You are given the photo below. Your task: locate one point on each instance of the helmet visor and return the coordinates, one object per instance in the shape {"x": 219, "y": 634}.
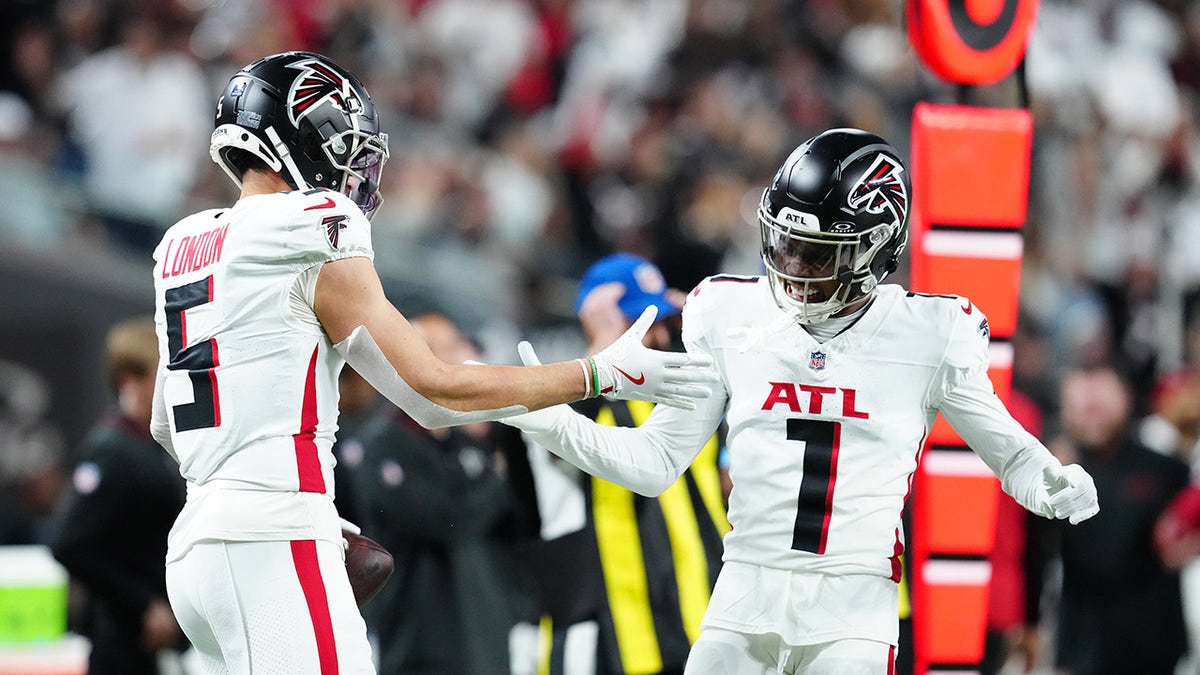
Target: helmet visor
{"x": 798, "y": 257}
{"x": 362, "y": 181}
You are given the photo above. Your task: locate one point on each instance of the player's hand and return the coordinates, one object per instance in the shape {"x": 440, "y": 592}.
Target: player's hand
{"x": 629, "y": 370}
{"x": 1071, "y": 492}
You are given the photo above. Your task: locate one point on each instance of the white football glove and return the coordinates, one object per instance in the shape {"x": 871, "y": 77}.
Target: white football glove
{"x": 350, "y": 527}
{"x": 1071, "y": 492}
{"x": 629, "y": 370}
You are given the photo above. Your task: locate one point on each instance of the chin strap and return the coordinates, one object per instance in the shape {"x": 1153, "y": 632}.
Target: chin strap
{"x": 285, "y": 156}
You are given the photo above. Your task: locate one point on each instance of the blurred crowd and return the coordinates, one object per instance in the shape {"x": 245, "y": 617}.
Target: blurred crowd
{"x": 531, "y": 137}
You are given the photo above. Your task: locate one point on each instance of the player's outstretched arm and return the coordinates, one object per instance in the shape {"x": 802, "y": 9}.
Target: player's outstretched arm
{"x": 1027, "y": 470}
{"x": 646, "y": 459}
{"x": 381, "y": 345}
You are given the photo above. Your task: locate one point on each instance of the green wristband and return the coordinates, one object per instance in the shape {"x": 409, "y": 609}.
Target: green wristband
{"x": 595, "y": 378}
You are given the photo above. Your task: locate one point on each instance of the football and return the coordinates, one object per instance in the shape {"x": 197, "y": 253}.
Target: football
{"x": 368, "y": 565}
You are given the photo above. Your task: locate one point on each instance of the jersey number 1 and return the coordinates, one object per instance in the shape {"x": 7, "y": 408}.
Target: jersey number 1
{"x": 814, "y": 505}
{"x": 200, "y": 360}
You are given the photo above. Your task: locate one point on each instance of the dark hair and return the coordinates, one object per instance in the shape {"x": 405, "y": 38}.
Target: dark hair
{"x": 243, "y": 161}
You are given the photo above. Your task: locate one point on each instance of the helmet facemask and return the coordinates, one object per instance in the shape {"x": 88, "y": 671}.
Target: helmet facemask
{"x": 362, "y": 167}
{"x": 813, "y": 274}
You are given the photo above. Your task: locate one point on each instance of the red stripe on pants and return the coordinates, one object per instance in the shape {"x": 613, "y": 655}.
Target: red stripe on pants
{"x": 308, "y": 571}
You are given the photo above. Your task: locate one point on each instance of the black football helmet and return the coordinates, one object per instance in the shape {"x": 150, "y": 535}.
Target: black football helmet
{"x": 307, "y": 118}
{"x": 837, "y": 211}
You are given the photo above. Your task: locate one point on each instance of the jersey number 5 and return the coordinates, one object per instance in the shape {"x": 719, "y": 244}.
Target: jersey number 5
{"x": 199, "y": 360}
{"x": 814, "y": 505}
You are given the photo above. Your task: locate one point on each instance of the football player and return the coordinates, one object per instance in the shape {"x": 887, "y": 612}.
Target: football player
{"x": 830, "y": 383}
{"x": 258, "y": 306}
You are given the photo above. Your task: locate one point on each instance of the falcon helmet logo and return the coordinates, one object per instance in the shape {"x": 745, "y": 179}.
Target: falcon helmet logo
{"x": 881, "y": 188}
{"x": 333, "y": 229}
{"x": 317, "y": 84}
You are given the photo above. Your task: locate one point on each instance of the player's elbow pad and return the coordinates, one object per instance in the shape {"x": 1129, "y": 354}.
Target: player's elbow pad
{"x": 652, "y": 486}
{"x": 364, "y": 355}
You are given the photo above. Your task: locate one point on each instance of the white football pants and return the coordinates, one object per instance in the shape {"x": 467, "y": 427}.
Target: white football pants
{"x": 269, "y": 608}
{"x": 724, "y": 652}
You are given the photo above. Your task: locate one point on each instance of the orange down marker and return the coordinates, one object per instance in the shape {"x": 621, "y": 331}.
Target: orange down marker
{"x": 970, "y": 173}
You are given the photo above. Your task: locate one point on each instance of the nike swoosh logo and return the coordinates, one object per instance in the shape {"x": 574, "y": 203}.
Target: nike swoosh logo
{"x": 327, "y": 205}
{"x": 639, "y": 380}
{"x": 968, "y": 309}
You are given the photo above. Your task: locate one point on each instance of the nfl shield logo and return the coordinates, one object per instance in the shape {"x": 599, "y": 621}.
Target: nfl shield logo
{"x": 816, "y": 360}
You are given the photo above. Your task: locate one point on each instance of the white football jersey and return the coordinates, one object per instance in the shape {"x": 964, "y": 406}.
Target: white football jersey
{"x": 251, "y": 378}
{"x": 824, "y": 438}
